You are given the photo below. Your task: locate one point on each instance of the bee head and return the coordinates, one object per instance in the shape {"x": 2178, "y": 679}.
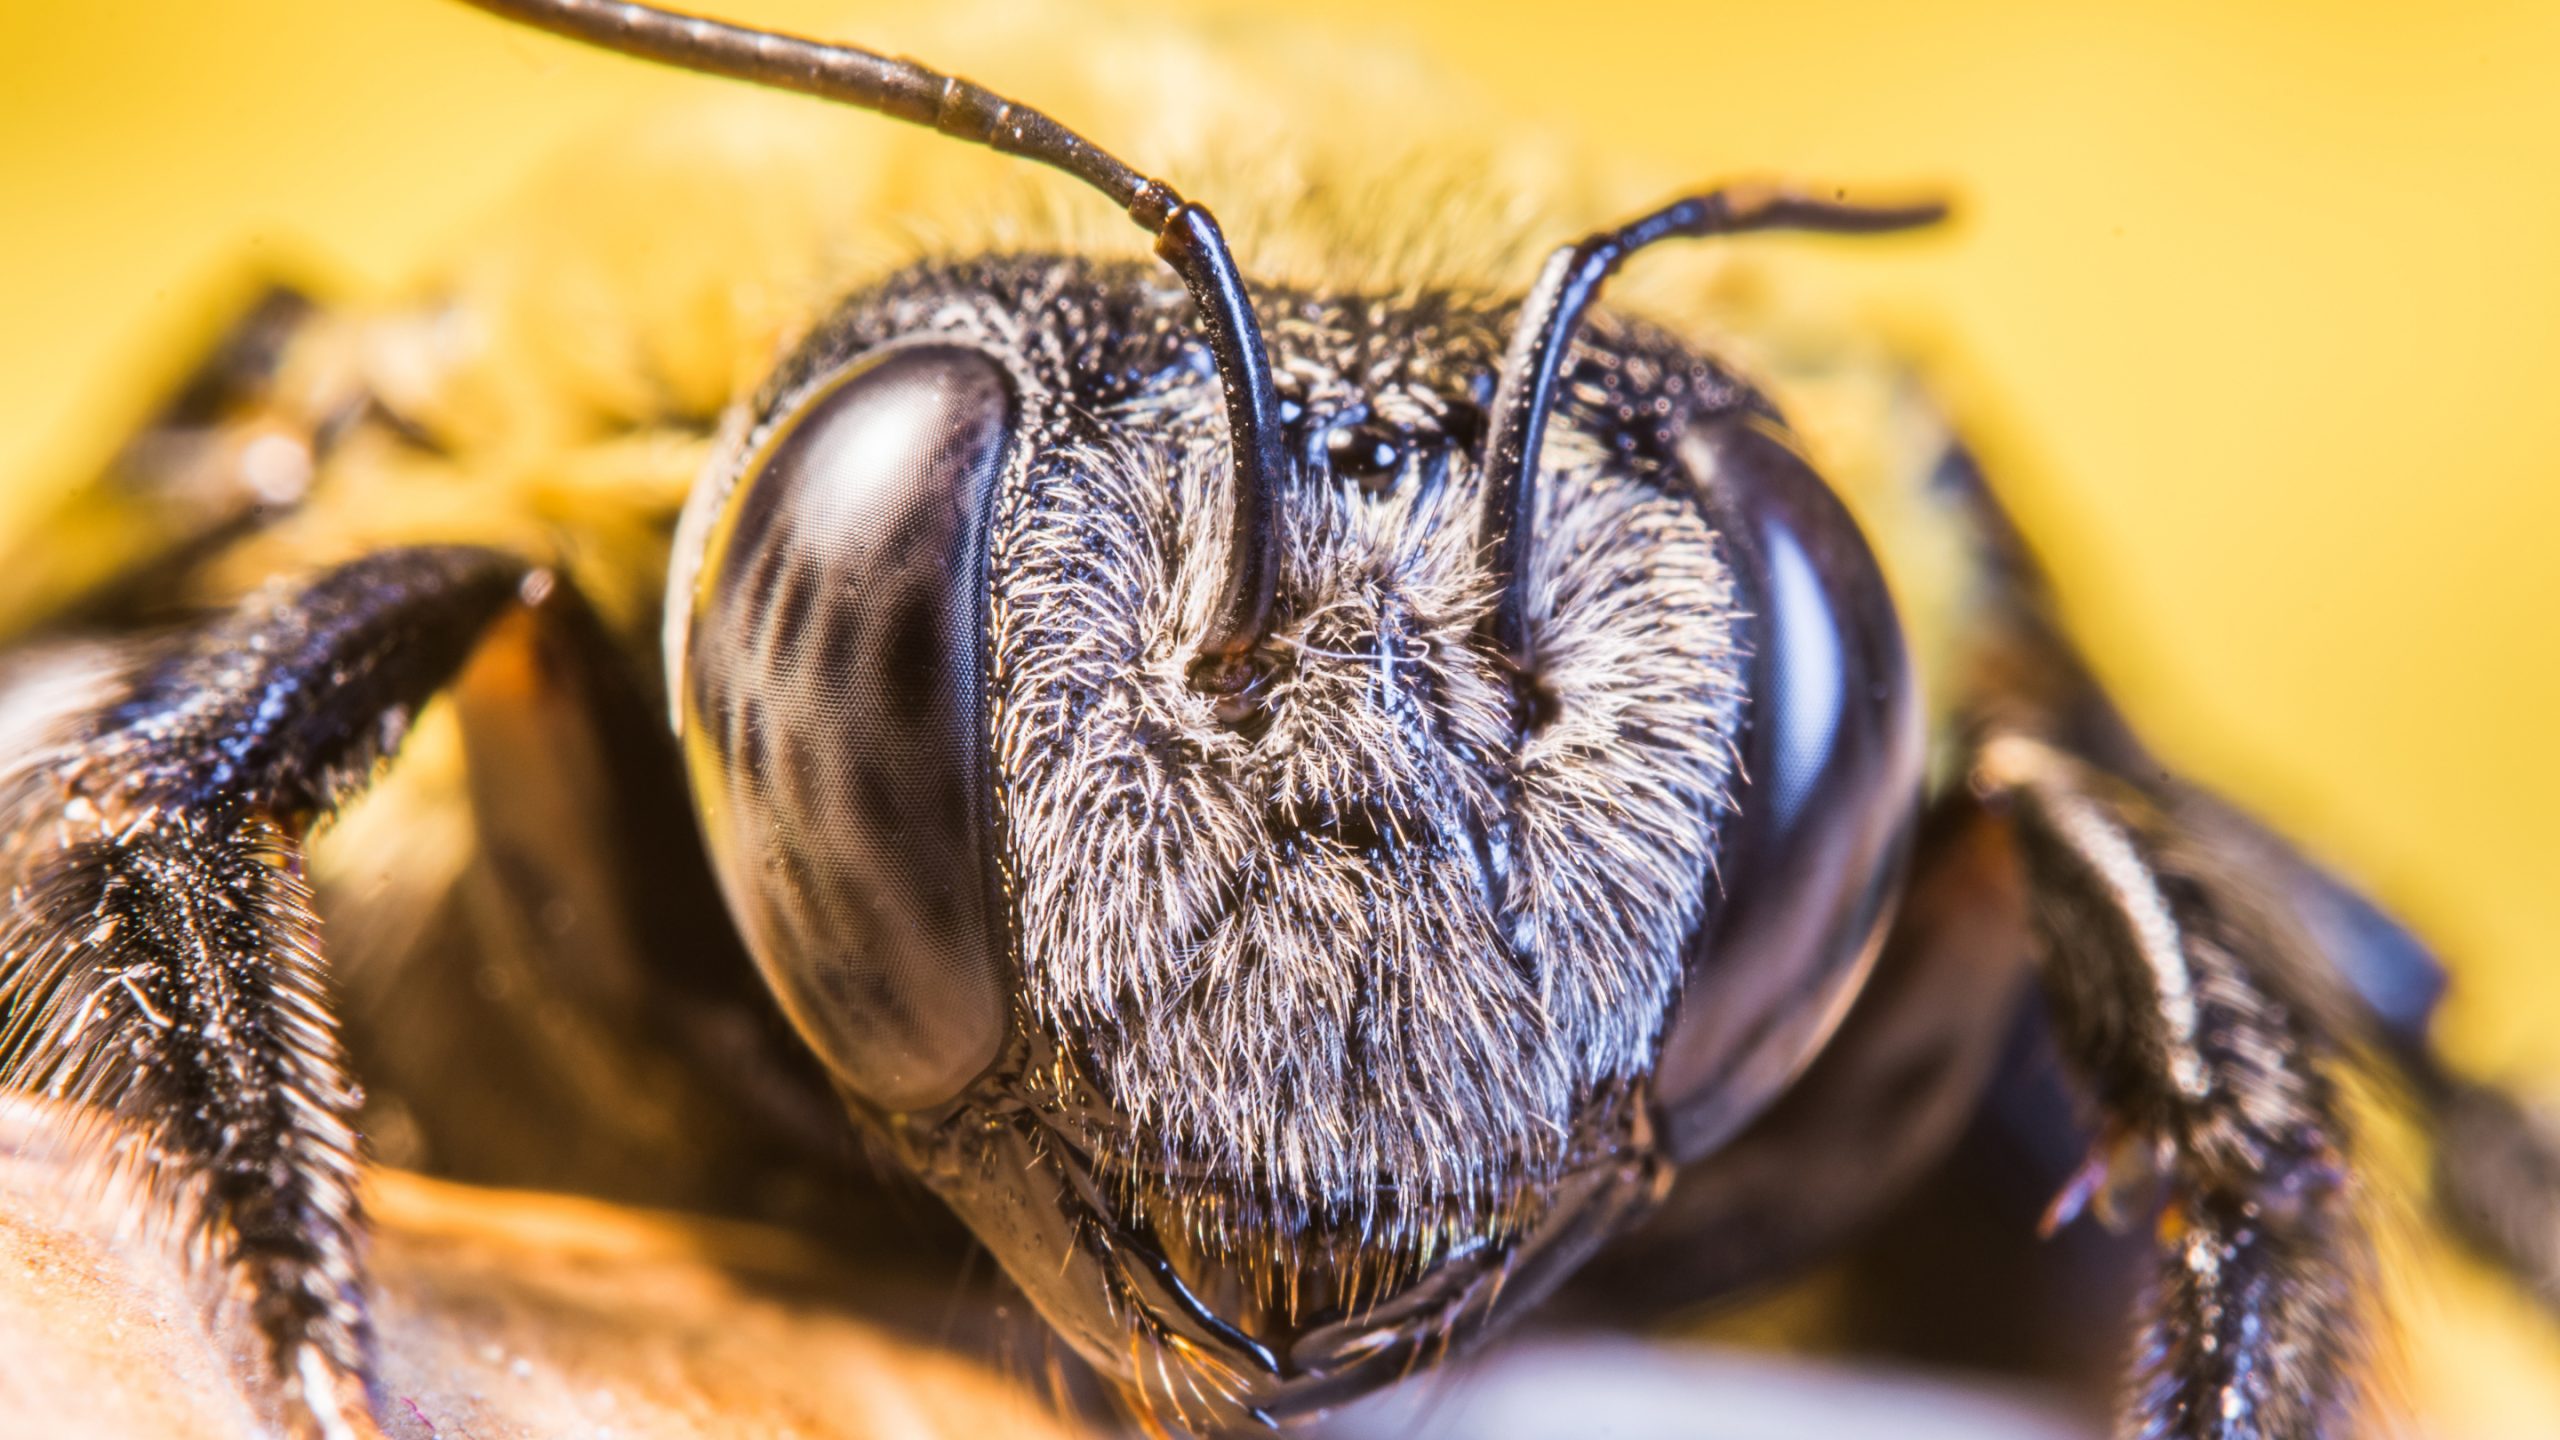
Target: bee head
{"x": 1304, "y": 1020}
{"x": 1292, "y": 916}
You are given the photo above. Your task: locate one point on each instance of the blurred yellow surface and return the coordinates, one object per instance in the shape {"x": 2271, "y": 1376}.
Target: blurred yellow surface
{"x": 2259, "y": 310}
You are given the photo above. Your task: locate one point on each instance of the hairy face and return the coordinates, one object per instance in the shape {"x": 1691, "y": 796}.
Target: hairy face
{"x": 1365, "y": 959}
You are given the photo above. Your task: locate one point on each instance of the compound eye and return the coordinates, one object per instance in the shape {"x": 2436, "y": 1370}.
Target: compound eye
{"x": 1813, "y": 853}
{"x": 834, "y": 714}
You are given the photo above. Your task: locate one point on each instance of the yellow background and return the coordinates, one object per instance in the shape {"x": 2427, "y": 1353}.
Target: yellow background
{"x": 2263, "y": 309}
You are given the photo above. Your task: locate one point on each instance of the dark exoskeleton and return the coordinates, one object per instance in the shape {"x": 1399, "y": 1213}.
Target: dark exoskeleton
{"x": 1302, "y": 817}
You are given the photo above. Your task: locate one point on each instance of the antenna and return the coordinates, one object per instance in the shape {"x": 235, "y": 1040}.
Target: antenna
{"x": 1187, "y": 239}
{"x": 1551, "y": 316}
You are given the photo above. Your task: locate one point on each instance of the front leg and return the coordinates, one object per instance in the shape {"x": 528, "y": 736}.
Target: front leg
{"x": 160, "y": 960}
{"x": 2181, "y": 1002}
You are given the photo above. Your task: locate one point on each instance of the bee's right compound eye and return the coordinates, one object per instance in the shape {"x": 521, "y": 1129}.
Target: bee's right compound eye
{"x": 834, "y": 713}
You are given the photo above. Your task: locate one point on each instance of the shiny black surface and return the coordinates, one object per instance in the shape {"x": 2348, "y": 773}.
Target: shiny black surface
{"x": 836, "y": 719}
{"x": 1191, "y": 244}
{"x": 1831, "y": 765}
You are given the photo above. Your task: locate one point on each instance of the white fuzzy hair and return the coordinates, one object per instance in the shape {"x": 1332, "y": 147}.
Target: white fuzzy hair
{"x": 1402, "y": 1035}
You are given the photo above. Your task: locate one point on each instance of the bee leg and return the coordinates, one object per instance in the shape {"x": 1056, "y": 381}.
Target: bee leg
{"x": 160, "y": 960}
{"x": 2196, "y": 993}
{"x": 2497, "y": 1173}
{"x": 2496, "y": 1159}
{"x": 2497, "y": 1163}
{"x": 2175, "y": 996}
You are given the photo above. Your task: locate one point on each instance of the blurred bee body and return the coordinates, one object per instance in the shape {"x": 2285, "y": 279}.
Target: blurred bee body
{"x": 1278, "y": 1012}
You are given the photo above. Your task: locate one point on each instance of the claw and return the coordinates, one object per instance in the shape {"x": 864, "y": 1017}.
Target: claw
{"x": 2120, "y": 1163}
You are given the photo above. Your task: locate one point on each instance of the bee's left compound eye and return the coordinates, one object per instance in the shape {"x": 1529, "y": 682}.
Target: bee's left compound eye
{"x": 835, "y": 724}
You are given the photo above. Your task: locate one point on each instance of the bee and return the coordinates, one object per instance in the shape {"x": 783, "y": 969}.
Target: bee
{"x": 1301, "y": 788}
